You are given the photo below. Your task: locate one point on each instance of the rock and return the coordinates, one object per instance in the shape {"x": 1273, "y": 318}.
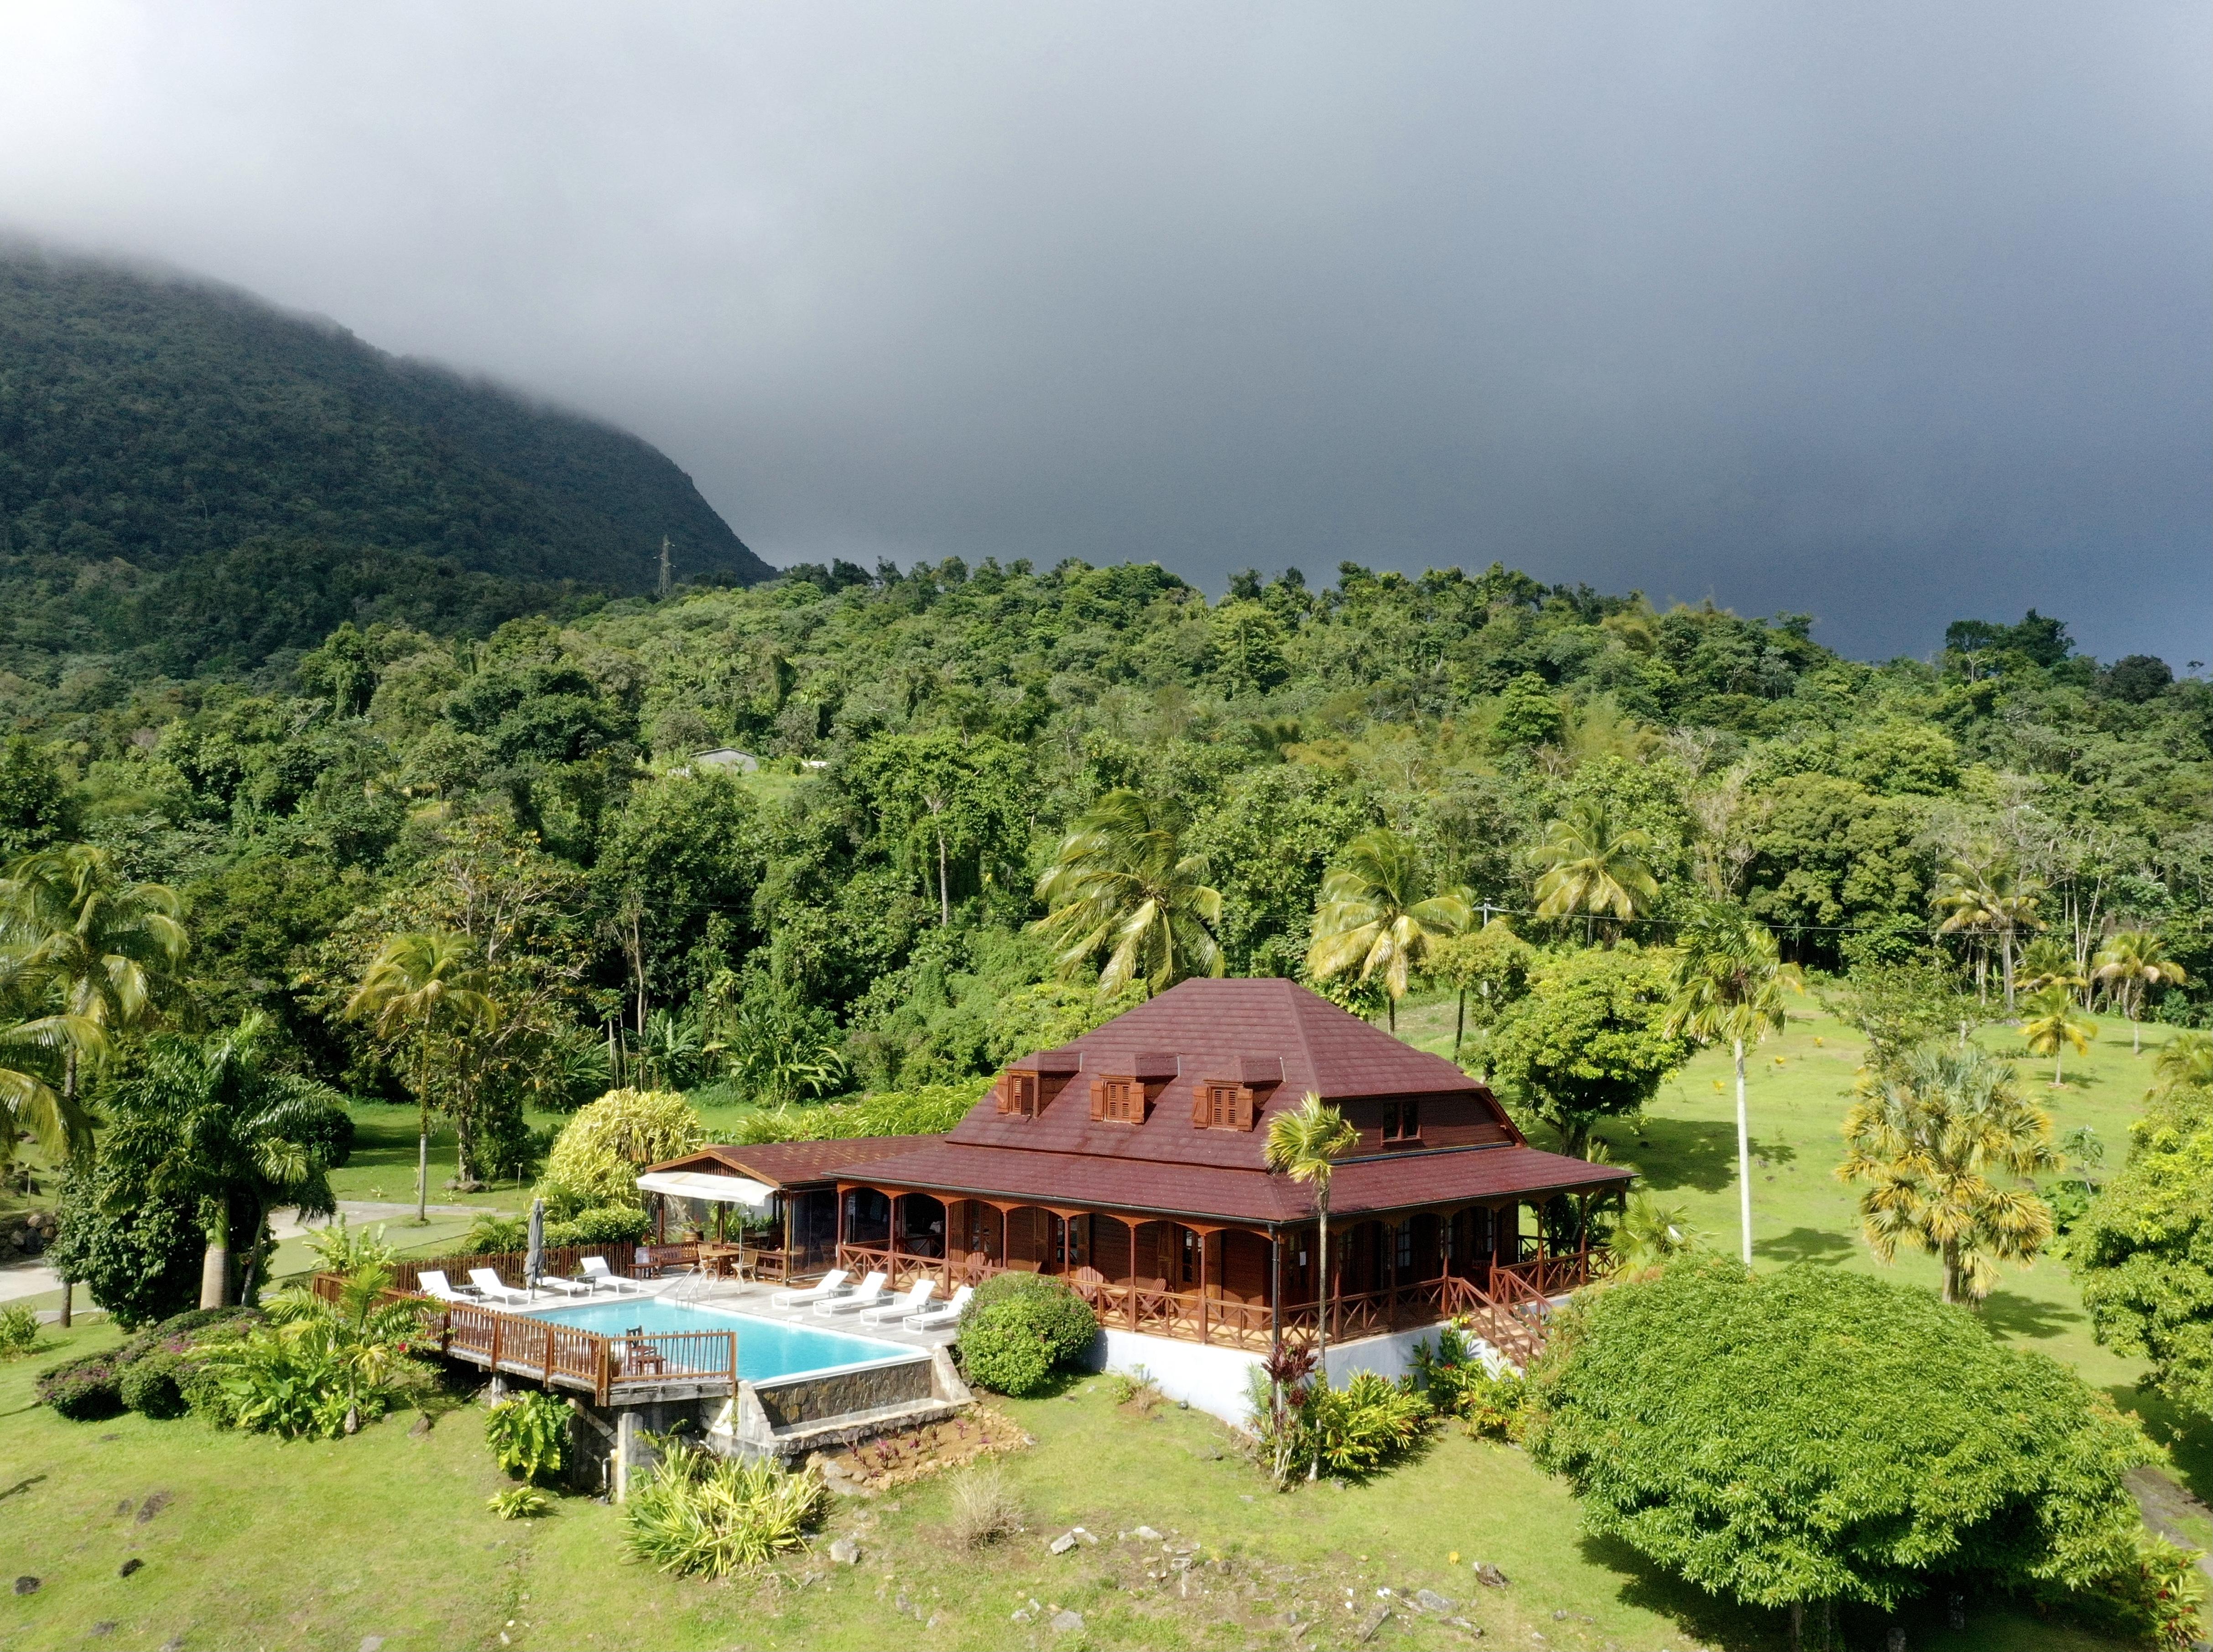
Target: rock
{"x": 1895, "y": 1641}
{"x": 26, "y": 1585}
{"x": 1489, "y": 1576}
{"x": 1377, "y": 1618}
{"x": 844, "y": 1551}
{"x": 1063, "y": 1543}
{"x": 1431, "y": 1600}
{"x": 129, "y": 1566}
{"x": 153, "y": 1506}
{"x": 421, "y": 1426}
{"x": 372, "y": 1643}
{"x": 1462, "y": 1623}
{"x": 1082, "y": 1536}
{"x": 1147, "y": 1534}
{"x": 1066, "y": 1623}
{"x": 174, "y": 1643}
{"x": 105, "y": 1626}
{"x": 1559, "y": 1616}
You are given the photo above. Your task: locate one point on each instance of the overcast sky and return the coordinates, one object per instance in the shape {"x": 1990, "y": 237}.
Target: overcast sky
{"x": 1891, "y": 314}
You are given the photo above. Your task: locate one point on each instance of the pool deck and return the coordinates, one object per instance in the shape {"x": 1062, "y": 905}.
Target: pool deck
{"x": 733, "y": 1296}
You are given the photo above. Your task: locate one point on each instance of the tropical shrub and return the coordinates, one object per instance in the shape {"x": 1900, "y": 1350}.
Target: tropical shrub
{"x": 1776, "y": 1438}
{"x": 1368, "y": 1424}
{"x": 985, "y": 1508}
{"x": 1447, "y": 1373}
{"x": 930, "y": 1111}
{"x": 607, "y": 1224}
{"x": 700, "y": 1514}
{"x": 596, "y": 1157}
{"x": 494, "y": 1234}
{"x": 318, "y": 1368}
{"x": 148, "y": 1385}
{"x": 519, "y": 1502}
{"x": 528, "y": 1433}
{"x": 83, "y": 1390}
{"x": 1018, "y": 1327}
{"x": 19, "y": 1330}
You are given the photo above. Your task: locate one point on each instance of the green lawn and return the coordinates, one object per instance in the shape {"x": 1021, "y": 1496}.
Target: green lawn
{"x": 251, "y": 1543}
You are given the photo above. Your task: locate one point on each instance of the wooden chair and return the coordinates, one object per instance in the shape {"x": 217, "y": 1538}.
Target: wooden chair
{"x": 639, "y": 1357}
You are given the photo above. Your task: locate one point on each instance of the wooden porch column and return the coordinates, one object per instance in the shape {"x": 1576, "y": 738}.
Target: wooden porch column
{"x": 1275, "y": 1293}
{"x": 892, "y": 1240}
{"x": 1204, "y": 1335}
{"x": 1390, "y": 1274}
{"x": 1131, "y": 1300}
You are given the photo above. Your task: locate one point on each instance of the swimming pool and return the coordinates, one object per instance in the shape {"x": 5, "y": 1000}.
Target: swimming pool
{"x": 766, "y": 1348}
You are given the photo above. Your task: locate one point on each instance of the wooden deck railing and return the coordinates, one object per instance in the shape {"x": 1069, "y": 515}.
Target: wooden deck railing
{"x": 1508, "y": 1307}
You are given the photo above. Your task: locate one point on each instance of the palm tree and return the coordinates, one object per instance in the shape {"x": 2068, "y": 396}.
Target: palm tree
{"x": 110, "y": 946}
{"x": 1303, "y": 1145}
{"x": 362, "y": 1336}
{"x": 1936, "y": 1144}
{"x": 1729, "y": 986}
{"x": 2050, "y": 962}
{"x": 419, "y": 985}
{"x": 1980, "y": 895}
{"x": 2130, "y": 964}
{"x": 1121, "y": 881}
{"x": 2053, "y": 1025}
{"x": 1371, "y": 914}
{"x": 221, "y": 1124}
{"x": 1591, "y": 866}
{"x": 2186, "y": 1063}
{"x": 31, "y": 1046}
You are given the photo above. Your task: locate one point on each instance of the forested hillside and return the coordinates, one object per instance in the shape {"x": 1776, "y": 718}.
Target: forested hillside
{"x": 854, "y": 915}
{"x": 188, "y": 476}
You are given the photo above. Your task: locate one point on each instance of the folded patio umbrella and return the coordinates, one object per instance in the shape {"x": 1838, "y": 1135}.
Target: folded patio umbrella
{"x": 533, "y": 1262}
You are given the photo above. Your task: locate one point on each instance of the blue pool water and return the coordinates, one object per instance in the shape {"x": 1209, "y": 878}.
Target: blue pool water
{"x": 766, "y": 1348}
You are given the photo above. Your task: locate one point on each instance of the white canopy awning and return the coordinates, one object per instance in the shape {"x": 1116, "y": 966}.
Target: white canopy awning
{"x": 707, "y": 1185}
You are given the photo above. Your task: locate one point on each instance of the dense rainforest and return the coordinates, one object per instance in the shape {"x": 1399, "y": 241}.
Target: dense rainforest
{"x": 849, "y": 905}
{"x": 190, "y": 477}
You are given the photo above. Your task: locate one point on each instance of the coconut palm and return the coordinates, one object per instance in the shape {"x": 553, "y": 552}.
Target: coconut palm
{"x": 1372, "y": 914}
{"x": 1728, "y": 985}
{"x": 109, "y": 946}
{"x": 2050, "y": 962}
{"x": 2054, "y": 1023}
{"x": 220, "y": 1123}
{"x": 2186, "y": 1063}
{"x": 1120, "y": 881}
{"x": 34, "y": 1051}
{"x": 1303, "y": 1145}
{"x": 1591, "y": 865}
{"x": 417, "y": 987}
{"x": 1946, "y": 1146}
{"x": 1980, "y": 896}
{"x": 2130, "y": 964}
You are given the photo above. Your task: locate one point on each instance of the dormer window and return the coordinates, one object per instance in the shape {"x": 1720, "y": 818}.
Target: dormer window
{"x": 1117, "y": 1101}
{"x": 1402, "y": 1123}
{"x": 1019, "y": 1095}
{"x": 1219, "y": 1105}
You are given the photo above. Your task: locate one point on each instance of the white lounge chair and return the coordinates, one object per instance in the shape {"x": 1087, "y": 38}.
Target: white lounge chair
{"x": 943, "y": 1314}
{"x": 891, "y": 1313}
{"x": 871, "y": 1295}
{"x": 566, "y": 1287}
{"x": 489, "y": 1283}
{"x": 432, "y": 1282}
{"x": 598, "y": 1275}
{"x": 831, "y": 1284}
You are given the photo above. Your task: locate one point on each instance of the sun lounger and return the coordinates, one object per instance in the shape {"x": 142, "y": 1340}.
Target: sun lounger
{"x": 489, "y": 1283}
{"x": 831, "y": 1284}
{"x": 871, "y": 1295}
{"x": 898, "y": 1309}
{"x": 566, "y": 1287}
{"x": 598, "y": 1275}
{"x": 945, "y": 1314}
{"x": 432, "y": 1282}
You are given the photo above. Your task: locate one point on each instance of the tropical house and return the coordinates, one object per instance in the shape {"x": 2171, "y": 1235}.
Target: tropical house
{"x": 1132, "y": 1163}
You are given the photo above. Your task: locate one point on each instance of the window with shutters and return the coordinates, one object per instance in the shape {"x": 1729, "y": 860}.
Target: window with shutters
{"x": 1402, "y": 1121}
{"x": 1018, "y": 1093}
{"x": 1217, "y": 1106}
{"x": 1117, "y": 1101}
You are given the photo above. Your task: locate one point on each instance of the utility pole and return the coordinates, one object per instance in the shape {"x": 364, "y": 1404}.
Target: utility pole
{"x": 664, "y": 565}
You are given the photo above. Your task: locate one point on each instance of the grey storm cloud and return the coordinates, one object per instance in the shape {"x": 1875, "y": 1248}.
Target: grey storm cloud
{"x": 1891, "y": 314}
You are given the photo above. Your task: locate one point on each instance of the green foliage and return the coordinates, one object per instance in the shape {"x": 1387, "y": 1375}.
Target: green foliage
{"x": 528, "y": 1433}
{"x": 134, "y": 1244}
{"x": 83, "y": 1390}
{"x": 605, "y": 1225}
{"x": 2143, "y": 1250}
{"x": 699, "y": 1515}
{"x": 1018, "y": 1327}
{"x": 596, "y": 1157}
{"x": 149, "y": 1385}
{"x": 519, "y": 1502}
{"x": 1527, "y": 713}
{"x": 318, "y": 1369}
{"x": 19, "y": 1330}
{"x": 1590, "y": 1041}
{"x": 1816, "y": 1435}
{"x": 1366, "y": 1426}
{"x": 930, "y": 1111}
{"x": 38, "y": 808}
{"x": 494, "y": 1234}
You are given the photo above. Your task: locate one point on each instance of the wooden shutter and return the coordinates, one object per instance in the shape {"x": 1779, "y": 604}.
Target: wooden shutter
{"x": 1241, "y": 1116}
{"x": 1202, "y": 1106}
{"x": 1004, "y": 1091}
{"x": 1098, "y": 1098}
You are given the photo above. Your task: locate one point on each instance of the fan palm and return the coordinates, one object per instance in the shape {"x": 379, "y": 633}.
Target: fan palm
{"x": 1728, "y": 985}
{"x": 1592, "y": 866}
{"x": 2130, "y": 964}
{"x": 2054, "y": 1023}
{"x": 1371, "y": 914}
{"x": 1304, "y": 1144}
{"x": 1937, "y": 1145}
{"x": 1121, "y": 881}
{"x": 418, "y": 987}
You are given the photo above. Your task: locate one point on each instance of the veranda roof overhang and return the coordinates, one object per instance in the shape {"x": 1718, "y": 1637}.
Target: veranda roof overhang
{"x": 705, "y": 1185}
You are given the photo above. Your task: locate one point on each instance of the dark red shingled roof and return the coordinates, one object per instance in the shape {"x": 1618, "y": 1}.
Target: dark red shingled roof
{"x": 1360, "y": 1185}
{"x": 1273, "y": 1034}
{"x": 791, "y": 1164}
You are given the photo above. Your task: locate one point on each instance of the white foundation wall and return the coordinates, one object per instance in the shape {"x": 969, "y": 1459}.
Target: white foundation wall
{"x": 1212, "y": 1380}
